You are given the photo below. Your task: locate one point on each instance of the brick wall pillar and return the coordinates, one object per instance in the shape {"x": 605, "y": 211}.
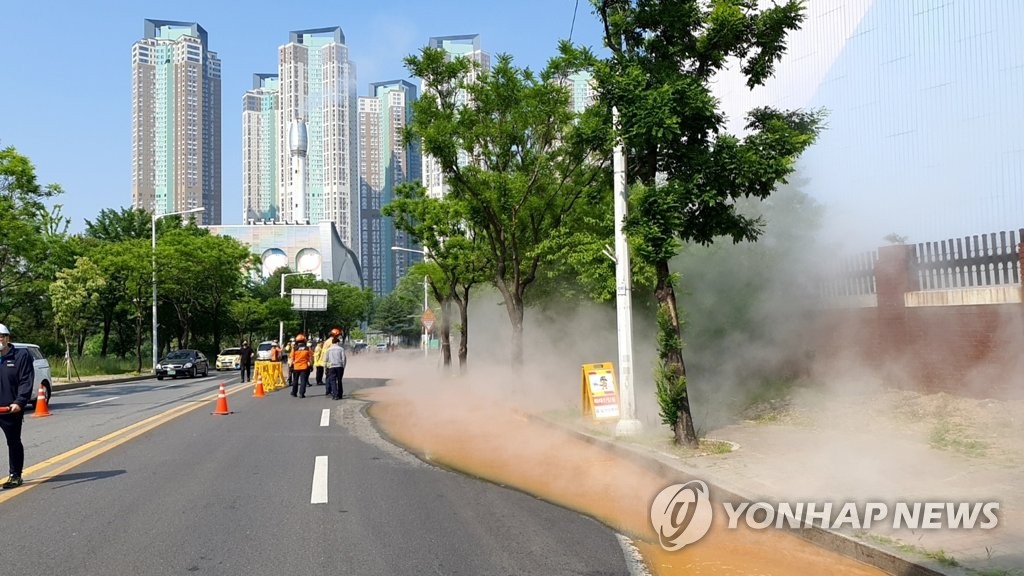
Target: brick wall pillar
{"x": 894, "y": 278}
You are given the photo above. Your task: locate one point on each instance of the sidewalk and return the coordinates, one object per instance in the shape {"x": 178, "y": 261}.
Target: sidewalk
{"x": 895, "y": 446}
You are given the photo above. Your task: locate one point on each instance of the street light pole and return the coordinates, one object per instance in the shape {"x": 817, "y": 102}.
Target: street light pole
{"x": 628, "y": 423}
{"x": 424, "y": 339}
{"x": 280, "y": 328}
{"x": 155, "y": 217}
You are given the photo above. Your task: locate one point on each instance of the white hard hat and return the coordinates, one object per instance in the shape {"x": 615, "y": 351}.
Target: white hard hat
{"x": 4, "y": 330}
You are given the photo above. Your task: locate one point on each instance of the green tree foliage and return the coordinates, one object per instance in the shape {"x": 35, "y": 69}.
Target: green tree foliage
{"x": 515, "y": 154}
{"x": 689, "y": 171}
{"x": 126, "y": 224}
{"x": 74, "y": 296}
{"x": 31, "y": 240}
{"x": 457, "y": 261}
{"x": 394, "y": 315}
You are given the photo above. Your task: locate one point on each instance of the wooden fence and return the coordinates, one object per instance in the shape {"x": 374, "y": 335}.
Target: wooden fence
{"x": 968, "y": 262}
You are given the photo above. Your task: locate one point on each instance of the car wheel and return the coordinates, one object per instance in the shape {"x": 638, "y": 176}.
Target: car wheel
{"x": 193, "y": 372}
{"x": 159, "y": 377}
{"x": 46, "y": 386}
{"x": 206, "y": 372}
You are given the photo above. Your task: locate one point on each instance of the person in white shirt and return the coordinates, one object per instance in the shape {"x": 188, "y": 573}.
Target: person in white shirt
{"x": 335, "y": 368}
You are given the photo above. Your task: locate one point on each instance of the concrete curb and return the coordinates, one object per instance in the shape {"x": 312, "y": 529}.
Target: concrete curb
{"x": 87, "y": 383}
{"x": 827, "y": 539}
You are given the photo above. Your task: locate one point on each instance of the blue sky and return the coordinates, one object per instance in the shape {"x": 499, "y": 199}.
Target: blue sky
{"x": 66, "y": 99}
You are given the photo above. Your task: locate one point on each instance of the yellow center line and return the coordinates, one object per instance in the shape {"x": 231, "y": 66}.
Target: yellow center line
{"x": 99, "y": 446}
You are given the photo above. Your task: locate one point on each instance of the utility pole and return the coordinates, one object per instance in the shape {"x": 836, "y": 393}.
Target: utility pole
{"x": 628, "y": 423}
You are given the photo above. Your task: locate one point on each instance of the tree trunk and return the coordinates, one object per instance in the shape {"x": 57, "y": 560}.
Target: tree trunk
{"x": 138, "y": 339}
{"x": 446, "y": 332}
{"x": 107, "y": 320}
{"x": 463, "y": 329}
{"x": 515, "y": 314}
{"x": 216, "y": 327}
{"x": 672, "y": 356}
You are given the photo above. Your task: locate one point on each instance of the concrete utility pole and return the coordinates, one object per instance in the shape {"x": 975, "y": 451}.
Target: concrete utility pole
{"x": 156, "y": 347}
{"x": 628, "y": 423}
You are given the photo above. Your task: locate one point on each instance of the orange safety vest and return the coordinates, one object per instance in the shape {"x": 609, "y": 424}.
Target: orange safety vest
{"x": 301, "y": 359}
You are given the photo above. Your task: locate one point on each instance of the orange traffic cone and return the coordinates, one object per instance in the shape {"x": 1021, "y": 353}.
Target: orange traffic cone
{"x": 258, "y": 392}
{"x": 42, "y": 408}
{"x": 222, "y": 402}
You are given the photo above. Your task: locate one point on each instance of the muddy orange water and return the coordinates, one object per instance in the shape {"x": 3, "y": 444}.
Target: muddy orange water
{"x": 453, "y": 427}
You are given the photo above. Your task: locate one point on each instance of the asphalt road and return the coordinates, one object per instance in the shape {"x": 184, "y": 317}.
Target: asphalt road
{"x": 140, "y": 478}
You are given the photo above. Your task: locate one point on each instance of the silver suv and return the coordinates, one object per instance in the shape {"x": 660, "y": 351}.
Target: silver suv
{"x": 42, "y": 368}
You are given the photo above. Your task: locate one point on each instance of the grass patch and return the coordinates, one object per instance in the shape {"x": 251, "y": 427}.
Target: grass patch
{"x": 946, "y": 435}
{"x": 939, "y": 556}
{"x": 94, "y": 366}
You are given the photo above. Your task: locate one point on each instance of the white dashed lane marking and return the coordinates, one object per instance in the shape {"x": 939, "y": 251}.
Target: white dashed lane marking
{"x": 325, "y": 417}
{"x": 319, "y": 493}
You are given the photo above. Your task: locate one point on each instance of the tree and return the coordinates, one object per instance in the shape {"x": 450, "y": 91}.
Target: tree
{"x": 113, "y": 226}
{"x": 30, "y": 235}
{"x": 516, "y": 154}
{"x": 456, "y": 262}
{"x": 689, "y": 171}
{"x": 74, "y": 297}
{"x": 394, "y": 315}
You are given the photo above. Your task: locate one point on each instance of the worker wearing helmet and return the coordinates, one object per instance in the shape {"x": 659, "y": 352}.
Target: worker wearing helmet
{"x": 302, "y": 363}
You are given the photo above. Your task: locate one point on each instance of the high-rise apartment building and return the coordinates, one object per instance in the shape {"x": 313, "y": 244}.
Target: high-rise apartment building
{"x": 317, "y": 84}
{"x": 260, "y": 198}
{"x": 465, "y": 46}
{"x": 384, "y": 163}
{"x": 176, "y": 156}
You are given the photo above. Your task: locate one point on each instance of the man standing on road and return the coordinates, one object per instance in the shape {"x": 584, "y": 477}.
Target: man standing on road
{"x": 302, "y": 362}
{"x": 335, "y": 368}
{"x": 319, "y": 355}
{"x": 245, "y": 360}
{"x": 17, "y": 376}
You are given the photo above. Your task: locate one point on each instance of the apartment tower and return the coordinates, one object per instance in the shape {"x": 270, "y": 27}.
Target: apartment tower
{"x": 176, "y": 157}
{"x": 317, "y": 84}
{"x": 465, "y": 46}
{"x": 259, "y": 149}
{"x": 384, "y": 163}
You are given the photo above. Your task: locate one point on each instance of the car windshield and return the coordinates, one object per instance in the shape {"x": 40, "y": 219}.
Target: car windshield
{"x": 265, "y": 346}
{"x": 231, "y": 352}
{"x": 179, "y": 355}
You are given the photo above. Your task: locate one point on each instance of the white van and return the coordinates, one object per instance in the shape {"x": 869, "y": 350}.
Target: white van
{"x": 42, "y": 368}
{"x": 263, "y": 350}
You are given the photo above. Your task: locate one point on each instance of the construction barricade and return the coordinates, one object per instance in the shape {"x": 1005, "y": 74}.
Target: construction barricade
{"x": 270, "y": 373}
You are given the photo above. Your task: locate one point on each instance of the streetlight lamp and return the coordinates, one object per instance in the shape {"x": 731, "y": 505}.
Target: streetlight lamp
{"x": 280, "y": 329}
{"x": 423, "y": 339}
{"x": 156, "y": 347}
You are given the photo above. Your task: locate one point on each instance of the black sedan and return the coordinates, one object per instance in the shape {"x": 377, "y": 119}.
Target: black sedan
{"x": 189, "y": 363}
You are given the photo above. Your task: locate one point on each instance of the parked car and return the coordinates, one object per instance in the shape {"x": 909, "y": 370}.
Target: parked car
{"x": 229, "y": 359}
{"x": 189, "y": 363}
{"x": 263, "y": 350}
{"x": 42, "y": 369}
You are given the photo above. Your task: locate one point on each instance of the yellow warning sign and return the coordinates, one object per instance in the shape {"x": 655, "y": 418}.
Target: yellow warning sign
{"x": 600, "y": 392}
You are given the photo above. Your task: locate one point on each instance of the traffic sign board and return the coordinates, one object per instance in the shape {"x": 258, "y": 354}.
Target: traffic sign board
{"x": 428, "y": 324}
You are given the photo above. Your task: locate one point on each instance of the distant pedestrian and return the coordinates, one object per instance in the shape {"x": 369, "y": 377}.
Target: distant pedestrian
{"x": 17, "y": 377}
{"x": 245, "y": 361}
{"x": 319, "y": 353}
{"x": 336, "y": 361}
{"x": 301, "y": 364}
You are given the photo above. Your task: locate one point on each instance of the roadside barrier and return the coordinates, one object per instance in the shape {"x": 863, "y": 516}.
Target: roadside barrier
{"x": 42, "y": 408}
{"x": 271, "y": 374}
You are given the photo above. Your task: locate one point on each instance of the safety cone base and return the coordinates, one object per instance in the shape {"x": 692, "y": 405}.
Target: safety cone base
{"x": 258, "y": 391}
